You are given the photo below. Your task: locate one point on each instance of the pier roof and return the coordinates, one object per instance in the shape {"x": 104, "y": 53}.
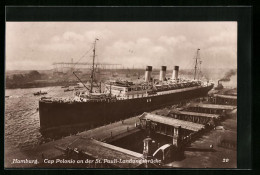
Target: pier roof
{"x": 172, "y": 122}
{"x": 212, "y": 106}
{"x": 195, "y": 114}
{"x": 226, "y": 96}
{"x": 102, "y": 151}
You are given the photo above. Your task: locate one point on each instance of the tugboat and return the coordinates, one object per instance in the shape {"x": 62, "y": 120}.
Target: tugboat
{"x": 120, "y": 99}
{"x": 219, "y": 86}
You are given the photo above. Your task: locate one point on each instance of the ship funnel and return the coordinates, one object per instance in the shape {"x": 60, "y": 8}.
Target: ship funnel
{"x": 162, "y": 73}
{"x": 175, "y": 73}
{"x": 148, "y": 73}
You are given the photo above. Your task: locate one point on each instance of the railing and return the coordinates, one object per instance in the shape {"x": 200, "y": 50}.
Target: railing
{"x": 120, "y": 98}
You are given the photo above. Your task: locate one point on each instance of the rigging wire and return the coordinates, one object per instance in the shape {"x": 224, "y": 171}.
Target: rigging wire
{"x": 64, "y": 79}
{"x": 68, "y": 76}
{"x": 188, "y": 66}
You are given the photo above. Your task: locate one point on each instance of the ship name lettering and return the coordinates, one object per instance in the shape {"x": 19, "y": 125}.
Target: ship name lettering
{"x": 48, "y": 161}
{"x": 65, "y": 161}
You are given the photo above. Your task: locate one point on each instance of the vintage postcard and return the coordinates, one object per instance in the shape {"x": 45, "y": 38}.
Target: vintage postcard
{"x": 121, "y": 94}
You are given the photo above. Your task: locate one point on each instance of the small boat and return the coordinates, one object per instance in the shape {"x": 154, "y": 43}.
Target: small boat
{"x": 66, "y": 90}
{"x": 39, "y": 93}
{"x": 115, "y": 74}
{"x": 45, "y": 98}
{"x": 64, "y": 86}
{"x": 78, "y": 87}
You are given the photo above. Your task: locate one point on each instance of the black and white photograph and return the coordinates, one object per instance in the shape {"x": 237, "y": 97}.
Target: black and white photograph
{"x": 121, "y": 94}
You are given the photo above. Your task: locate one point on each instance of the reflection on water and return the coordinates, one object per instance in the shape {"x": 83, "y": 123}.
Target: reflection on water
{"x": 22, "y": 122}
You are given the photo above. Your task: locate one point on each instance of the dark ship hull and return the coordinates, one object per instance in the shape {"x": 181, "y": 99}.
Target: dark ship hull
{"x": 89, "y": 114}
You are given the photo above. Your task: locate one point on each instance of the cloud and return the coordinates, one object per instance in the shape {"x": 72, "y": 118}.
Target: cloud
{"x": 70, "y": 40}
{"x": 55, "y": 39}
{"x": 139, "y": 52}
{"x": 223, "y": 38}
{"x": 223, "y": 55}
{"x": 59, "y": 47}
{"x": 158, "y": 50}
{"x": 172, "y": 40}
{"x": 104, "y": 34}
{"x": 143, "y": 41}
{"x": 164, "y": 43}
{"x": 68, "y": 36}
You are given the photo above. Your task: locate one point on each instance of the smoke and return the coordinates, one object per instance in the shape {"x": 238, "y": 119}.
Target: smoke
{"x": 228, "y": 75}
{"x": 230, "y": 79}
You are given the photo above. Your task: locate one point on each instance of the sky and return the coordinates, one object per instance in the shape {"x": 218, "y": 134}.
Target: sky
{"x": 36, "y": 45}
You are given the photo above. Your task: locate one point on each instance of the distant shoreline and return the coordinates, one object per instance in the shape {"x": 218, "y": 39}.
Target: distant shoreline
{"x": 39, "y": 85}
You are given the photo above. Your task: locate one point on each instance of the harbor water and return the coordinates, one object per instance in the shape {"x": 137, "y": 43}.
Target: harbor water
{"x": 22, "y": 124}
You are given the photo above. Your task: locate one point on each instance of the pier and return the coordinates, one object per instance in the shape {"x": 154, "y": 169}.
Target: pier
{"x": 51, "y": 149}
{"x": 181, "y": 131}
{"x": 224, "y": 99}
{"x": 159, "y": 136}
{"x": 210, "y": 108}
{"x": 195, "y": 117}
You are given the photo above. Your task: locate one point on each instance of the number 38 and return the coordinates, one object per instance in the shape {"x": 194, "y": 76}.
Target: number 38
{"x": 225, "y": 160}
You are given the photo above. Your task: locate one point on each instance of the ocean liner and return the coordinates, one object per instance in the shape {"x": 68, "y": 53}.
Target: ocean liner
{"x": 119, "y": 100}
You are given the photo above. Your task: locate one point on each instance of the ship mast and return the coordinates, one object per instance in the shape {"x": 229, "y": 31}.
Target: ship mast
{"x": 196, "y": 63}
{"x": 93, "y": 65}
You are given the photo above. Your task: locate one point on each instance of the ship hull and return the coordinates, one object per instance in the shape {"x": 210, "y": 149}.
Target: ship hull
{"x": 59, "y": 114}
